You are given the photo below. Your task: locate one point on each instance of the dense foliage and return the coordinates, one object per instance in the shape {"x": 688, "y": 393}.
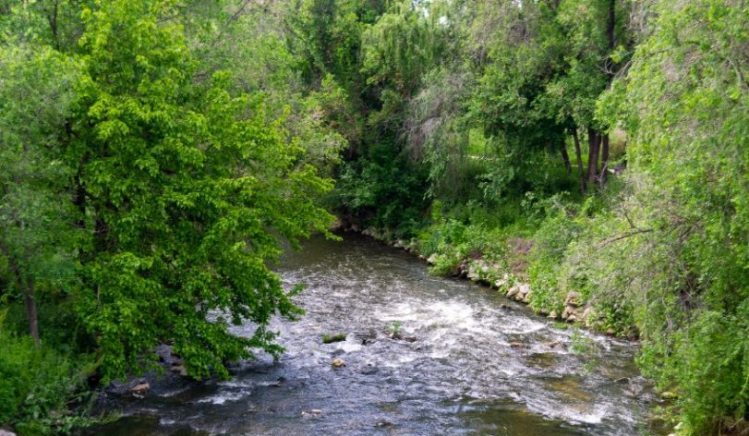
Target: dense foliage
{"x": 153, "y": 153}
{"x": 145, "y": 192}
{"x": 594, "y": 148}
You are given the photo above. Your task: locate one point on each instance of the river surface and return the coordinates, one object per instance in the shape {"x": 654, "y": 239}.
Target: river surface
{"x": 423, "y": 356}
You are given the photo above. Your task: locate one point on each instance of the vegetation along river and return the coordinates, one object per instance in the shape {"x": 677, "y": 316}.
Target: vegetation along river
{"x": 423, "y": 355}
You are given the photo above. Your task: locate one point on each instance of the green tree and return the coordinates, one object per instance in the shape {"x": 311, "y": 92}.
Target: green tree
{"x": 184, "y": 188}
{"x": 56, "y": 23}
{"x": 37, "y": 231}
{"x": 686, "y": 102}
{"x": 597, "y": 45}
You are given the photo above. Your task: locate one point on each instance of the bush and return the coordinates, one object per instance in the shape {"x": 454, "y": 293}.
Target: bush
{"x": 36, "y": 385}
{"x": 574, "y": 250}
{"x": 384, "y": 191}
{"x": 545, "y": 270}
{"x": 454, "y": 242}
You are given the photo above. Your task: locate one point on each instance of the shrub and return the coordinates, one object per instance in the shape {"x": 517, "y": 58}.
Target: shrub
{"x": 36, "y": 385}
{"x": 545, "y": 270}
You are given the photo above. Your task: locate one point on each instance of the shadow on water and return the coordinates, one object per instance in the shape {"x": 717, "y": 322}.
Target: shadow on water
{"x": 422, "y": 355}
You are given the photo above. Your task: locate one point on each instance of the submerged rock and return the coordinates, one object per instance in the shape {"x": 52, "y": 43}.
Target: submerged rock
{"x": 542, "y": 360}
{"x": 140, "y": 389}
{"x": 338, "y": 363}
{"x": 335, "y": 337}
{"x": 368, "y": 369}
{"x": 136, "y": 387}
{"x": 367, "y": 337}
{"x": 275, "y": 383}
{"x": 311, "y": 412}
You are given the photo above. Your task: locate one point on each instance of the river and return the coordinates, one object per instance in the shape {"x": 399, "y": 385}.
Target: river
{"x": 423, "y": 355}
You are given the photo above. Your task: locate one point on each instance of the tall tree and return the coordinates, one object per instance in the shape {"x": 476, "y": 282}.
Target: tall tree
{"x": 182, "y": 186}
{"x": 37, "y": 229}
{"x": 595, "y": 41}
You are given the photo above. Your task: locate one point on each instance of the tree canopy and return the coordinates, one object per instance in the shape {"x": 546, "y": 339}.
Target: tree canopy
{"x": 147, "y": 191}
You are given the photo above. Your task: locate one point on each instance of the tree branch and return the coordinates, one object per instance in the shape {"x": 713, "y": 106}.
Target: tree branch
{"x": 624, "y": 236}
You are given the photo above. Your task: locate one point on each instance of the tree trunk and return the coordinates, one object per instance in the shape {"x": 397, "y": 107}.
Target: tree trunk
{"x": 29, "y": 299}
{"x": 604, "y": 158}
{"x": 79, "y": 200}
{"x": 52, "y": 19}
{"x": 31, "y": 315}
{"x": 611, "y": 24}
{"x": 579, "y": 155}
{"x": 594, "y": 142}
{"x": 566, "y": 157}
{"x": 101, "y": 235}
{"x": 604, "y": 138}
{"x": 609, "y": 64}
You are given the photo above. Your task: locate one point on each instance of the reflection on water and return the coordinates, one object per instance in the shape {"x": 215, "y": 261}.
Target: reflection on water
{"x": 423, "y": 355}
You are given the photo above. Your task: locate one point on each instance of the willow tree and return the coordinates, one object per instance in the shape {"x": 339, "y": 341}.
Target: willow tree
{"x": 686, "y": 107}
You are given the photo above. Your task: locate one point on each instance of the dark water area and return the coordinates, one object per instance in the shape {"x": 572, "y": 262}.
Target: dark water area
{"x": 423, "y": 355}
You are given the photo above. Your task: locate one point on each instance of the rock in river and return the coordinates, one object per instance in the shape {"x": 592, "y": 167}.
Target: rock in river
{"x": 140, "y": 389}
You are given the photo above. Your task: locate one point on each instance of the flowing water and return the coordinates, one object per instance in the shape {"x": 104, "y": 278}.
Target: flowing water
{"x": 423, "y": 356}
